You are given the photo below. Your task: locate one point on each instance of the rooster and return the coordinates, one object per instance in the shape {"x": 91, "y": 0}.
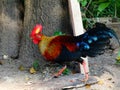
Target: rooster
{"x": 67, "y": 48}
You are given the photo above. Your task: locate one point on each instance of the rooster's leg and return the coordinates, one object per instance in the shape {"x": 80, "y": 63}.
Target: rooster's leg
{"x": 85, "y": 70}
{"x": 60, "y": 71}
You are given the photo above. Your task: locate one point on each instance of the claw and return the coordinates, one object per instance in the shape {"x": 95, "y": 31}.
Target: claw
{"x": 86, "y": 78}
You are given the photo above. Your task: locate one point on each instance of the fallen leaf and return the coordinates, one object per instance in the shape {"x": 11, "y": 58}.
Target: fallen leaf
{"x": 1, "y": 63}
{"x": 32, "y": 70}
{"x": 100, "y": 82}
{"x": 88, "y": 86}
{"x": 21, "y": 68}
{"x": 27, "y": 78}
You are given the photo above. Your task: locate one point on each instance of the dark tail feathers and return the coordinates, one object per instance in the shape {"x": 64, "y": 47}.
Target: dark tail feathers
{"x": 96, "y": 40}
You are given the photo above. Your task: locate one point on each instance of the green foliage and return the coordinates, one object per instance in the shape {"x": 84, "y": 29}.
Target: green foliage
{"x": 36, "y": 65}
{"x": 66, "y": 72}
{"x": 102, "y": 7}
{"x": 118, "y": 58}
{"x": 99, "y": 8}
{"x": 83, "y": 2}
{"x": 58, "y": 33}
{"x": 118, "y": 62}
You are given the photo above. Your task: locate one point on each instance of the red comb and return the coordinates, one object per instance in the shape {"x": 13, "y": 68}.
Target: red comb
{"x": 38, "y": 26}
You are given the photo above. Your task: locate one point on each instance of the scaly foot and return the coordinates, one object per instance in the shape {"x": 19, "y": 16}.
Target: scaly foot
{"x": 86, "y": 77}
{"x": 60, "y": 71}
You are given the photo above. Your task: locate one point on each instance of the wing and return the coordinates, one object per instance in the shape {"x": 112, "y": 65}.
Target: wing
{"x": 59, "y": 45}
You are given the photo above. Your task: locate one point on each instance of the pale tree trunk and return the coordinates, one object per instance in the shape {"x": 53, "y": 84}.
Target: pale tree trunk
{"x": 53, "y": 15}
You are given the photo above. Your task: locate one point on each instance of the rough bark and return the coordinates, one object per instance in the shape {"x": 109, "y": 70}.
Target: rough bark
{"x": 52, "y": 14}
{"x": 10, "y": 28}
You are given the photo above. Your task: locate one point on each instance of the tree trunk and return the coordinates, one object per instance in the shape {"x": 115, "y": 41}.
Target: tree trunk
{"x": 10, "y": 28}
{"x": 14, "y": 38}
{"x": 52, "y": 14}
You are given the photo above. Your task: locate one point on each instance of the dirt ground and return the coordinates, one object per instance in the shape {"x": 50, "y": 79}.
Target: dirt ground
{"x": 103, "y": 67}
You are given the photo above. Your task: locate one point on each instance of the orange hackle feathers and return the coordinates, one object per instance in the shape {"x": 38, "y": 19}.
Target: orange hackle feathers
{"x": 49, "y": 50}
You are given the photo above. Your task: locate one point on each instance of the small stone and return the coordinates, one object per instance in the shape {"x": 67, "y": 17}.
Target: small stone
{"x": 95, "y": 73}
{"x": 5, "y": 56}
{"x": 29, "y": 83}
{"x": 113, "y": 82}
{"x": 109, "y": 78}
{"x": 27, "y": 78}
{"x": 110, "y": 86}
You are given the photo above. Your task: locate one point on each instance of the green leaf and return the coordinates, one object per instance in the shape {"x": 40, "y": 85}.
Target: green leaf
{"x": 101, "y": 1}
{"x": 118, "y": 55}
{"x": 117, "y": 62}
{"x": 84, "y": 3}
{"x": 58, "y": 33}
{"x": 118, "y": 3}
{"x": 66, "y": 72}
{"x": 36, "y": 65}
{"x": 102, "y": 6}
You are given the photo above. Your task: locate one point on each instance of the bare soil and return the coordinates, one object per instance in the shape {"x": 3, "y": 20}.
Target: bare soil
{"x": 103, "y": 67}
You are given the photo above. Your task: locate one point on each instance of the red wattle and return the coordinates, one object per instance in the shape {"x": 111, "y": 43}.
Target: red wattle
{"x": 35, "y": 41}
